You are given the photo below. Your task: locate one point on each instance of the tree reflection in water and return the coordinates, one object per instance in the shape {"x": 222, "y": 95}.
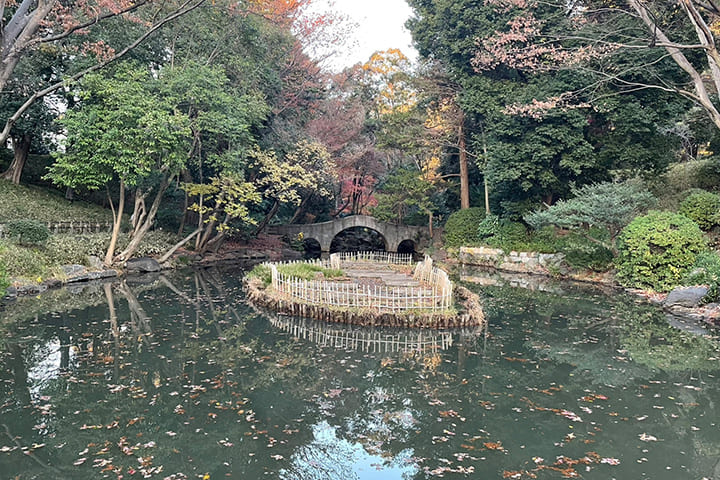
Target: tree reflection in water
{"x": 176, "y": 377}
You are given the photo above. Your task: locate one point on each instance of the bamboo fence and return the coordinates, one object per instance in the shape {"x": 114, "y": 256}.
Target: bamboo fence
{"x": 434, "y": 294}
{"x": 374, "y": 257}
{"x": 70, "y": 227}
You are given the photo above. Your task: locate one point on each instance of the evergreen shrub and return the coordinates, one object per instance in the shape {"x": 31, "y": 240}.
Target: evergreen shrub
{"x": 701, "y": 207}
{"x": 583, "y": 253}
{"x": 27, "y": 232}
{"x": 461, "y": 228}
{"x": 657, "y": 250}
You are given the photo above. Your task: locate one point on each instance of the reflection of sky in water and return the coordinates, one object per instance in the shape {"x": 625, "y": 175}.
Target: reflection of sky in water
{"x": 46, "y": 366}
{"x": 330, "y": 457}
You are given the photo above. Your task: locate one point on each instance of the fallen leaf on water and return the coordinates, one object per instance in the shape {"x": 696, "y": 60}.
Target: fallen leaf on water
{"x": 494, "y": 446}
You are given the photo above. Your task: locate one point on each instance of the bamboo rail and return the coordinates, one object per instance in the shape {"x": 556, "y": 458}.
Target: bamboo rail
{"x": 435, "y": 296}
{"x": 70, "y": 227}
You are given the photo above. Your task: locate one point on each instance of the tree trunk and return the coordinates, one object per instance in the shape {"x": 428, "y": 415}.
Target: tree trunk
{"x": 21, "y": 148}
{"x": 182, "y": 242}
{"x": 139, "y": 211}
{"x": 485, "y": 181}
{"x": 117, "y": 223}
{"x": 301, "y": 208}
{"x": 268, "y": 217}
{"x": 187, "y": 179}
{"x": 464, "y": 180}
{"x": 149, "y": 219}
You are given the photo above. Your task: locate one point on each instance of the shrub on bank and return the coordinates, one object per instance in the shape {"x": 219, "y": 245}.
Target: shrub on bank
{"x": 23, "y": 262}
{"x": 583, "y": 253}
{"x": 702, "y": 207}
{"x": 706, "y": 271}
{"x": 657, "y": 250}
{"x": 27, "y": 232}
{"x": 461, "y": 228}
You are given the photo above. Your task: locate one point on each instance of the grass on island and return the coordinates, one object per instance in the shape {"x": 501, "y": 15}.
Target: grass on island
{"x": 303, "y": 271}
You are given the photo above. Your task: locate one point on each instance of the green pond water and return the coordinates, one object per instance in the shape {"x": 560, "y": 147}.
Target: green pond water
{"x": 176, "y": 377}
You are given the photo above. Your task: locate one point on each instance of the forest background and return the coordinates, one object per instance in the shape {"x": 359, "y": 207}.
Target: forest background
{"x": 203, "y": 122}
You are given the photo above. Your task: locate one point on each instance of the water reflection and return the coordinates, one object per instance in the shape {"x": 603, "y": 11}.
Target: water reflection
{"x": 371, "y": 340}
{"x": 176, "y": 377}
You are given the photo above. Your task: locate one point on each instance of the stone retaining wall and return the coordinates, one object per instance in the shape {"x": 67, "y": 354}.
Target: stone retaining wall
{"x": 524, "y": 262}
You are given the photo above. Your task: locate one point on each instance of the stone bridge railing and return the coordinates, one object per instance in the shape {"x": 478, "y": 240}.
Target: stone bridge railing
{"x": 325, "y": 232}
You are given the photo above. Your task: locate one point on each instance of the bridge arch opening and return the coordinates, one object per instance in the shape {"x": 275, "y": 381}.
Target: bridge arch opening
{"x": 407, "y": 246}
{"x": 358, "y": 239}
{"x": 311, "y": 249}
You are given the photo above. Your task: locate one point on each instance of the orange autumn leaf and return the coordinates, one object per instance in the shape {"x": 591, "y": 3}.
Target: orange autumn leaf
{"x": 493, "y": 445}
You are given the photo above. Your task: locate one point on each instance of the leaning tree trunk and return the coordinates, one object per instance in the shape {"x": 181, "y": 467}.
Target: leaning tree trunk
{"x": 147, "y": 223}
{"x": 301, "y": 208}
{"x": 21, "y": 148}
{"x": 117, "y": 223}
{"x": 268, "y": 217}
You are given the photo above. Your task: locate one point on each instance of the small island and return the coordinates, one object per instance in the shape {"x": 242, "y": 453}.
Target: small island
{"x": 365, "y": 288}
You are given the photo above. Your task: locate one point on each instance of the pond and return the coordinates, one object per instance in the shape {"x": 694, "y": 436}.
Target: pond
{"x": 176, "y": 377}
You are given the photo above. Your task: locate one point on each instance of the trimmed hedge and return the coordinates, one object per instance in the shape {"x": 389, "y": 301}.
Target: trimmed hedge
{"x": 657, "y": 250}
{"x": 461, "y": 228}
{"x": 27, "y": 232}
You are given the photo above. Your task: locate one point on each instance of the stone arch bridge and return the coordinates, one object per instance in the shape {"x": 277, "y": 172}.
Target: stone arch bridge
{"x": 325, "y": 232}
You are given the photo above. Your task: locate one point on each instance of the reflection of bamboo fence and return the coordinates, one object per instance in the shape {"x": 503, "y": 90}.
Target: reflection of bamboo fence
{"x": 364, "y": 340}
{"x": 436, "y": 296}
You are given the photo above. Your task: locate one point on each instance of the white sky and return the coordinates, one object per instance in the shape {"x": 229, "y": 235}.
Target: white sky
{"x": 380, "y": 26}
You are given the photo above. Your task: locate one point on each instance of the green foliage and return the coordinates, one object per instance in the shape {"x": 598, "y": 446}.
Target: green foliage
{"x": 4, "y": 277}
{"x": 510, "y": 236}
{"x": 582, "y": 252}
{"x": 703, "y": 208}
{"x": 488, "y": 227}
{"x": 19, "y": 201}
{"x": 402, "y": 193}
{"x": 27, "y": 232}
{"x": 609, "y": 206}
{"x": 657, "y": 250}
{"x": 23, "y": 262}
{"x": 706, "y": 271}
{"x": 68, "y": 249}
{"x": 692, "y": 175}
{"x": 126, "y": 126}
{"x": 461, "y": 228}
{"x": 514, "y": 236}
